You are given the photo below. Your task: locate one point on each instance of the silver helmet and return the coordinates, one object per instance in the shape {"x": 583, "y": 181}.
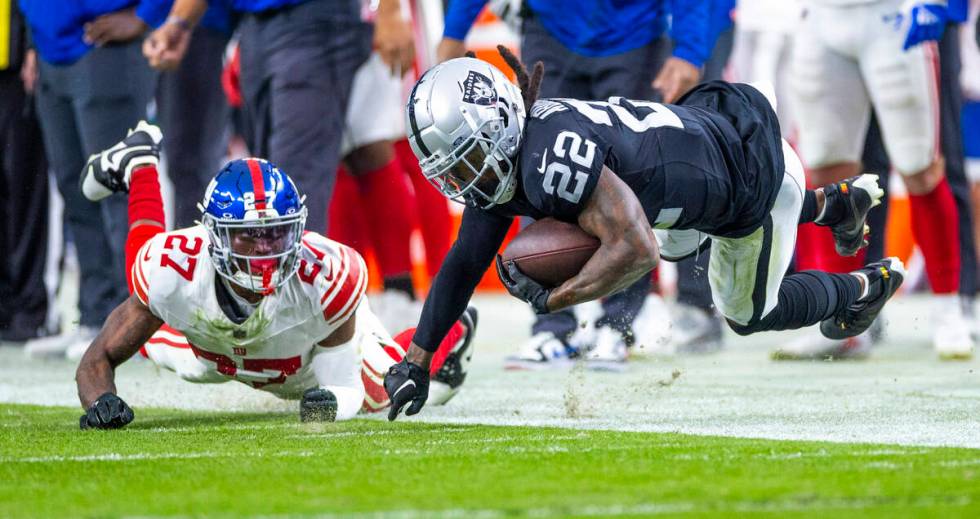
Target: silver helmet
{"x": 465, "y": 120}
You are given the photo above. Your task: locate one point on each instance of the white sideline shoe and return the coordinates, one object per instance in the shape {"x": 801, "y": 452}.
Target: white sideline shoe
{"x": 542, "y": 351}
{"x": 609, "y": 353}
{"x": 951, "y": 331}
{"x": 395, "y": 310}
{"x": 57, "y": 346}
{"x": 695, "y": 331}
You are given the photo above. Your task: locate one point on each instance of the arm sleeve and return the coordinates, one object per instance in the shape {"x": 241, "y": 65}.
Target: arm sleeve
{"x": 338, "y": 370}
{"x": 460, "y": 16}
{"x": 690, "y": 29}
{"x": 153, "y": 12}
{"x": 480, "y": 236}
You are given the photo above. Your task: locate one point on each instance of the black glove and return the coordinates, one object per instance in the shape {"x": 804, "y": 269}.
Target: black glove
{"x": 406, "y": 382}
{"x": 523, "y": 287}
{"x": 318, "y": 405}
{"x": 108, "y": 412}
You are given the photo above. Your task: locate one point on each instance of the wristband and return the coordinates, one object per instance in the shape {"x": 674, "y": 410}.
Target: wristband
{"x": 179, "y": 21}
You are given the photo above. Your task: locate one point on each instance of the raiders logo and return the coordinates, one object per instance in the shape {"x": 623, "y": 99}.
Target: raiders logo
{"x": 478, "y": 90}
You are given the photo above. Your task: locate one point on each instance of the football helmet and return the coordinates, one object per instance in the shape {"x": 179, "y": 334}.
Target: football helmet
{"x": 255, "y": 218}
{"x": 465, "y": 121}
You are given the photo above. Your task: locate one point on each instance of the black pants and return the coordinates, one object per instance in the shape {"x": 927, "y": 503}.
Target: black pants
{"x": 23, "y": 215}
{"x": 875, "y": 160}
{"x": 195, "y": 118}
{"x": 567, "y": 74}
{"x": 84, "y": 108}
{"x": 298, "y": 64}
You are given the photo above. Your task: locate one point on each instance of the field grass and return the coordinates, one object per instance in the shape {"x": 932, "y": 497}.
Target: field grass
{"x": 171, "y": 462}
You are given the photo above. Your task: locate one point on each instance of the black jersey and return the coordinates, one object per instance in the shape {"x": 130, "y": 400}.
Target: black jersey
{"x": 692, "y": 165}
{"x": 713, "y": 163}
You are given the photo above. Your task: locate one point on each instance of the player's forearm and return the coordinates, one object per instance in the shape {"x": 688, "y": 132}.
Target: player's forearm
{"x": 95, "y": 376}
{"x": 613, "y": 267}
{"x": 189, "y": 11}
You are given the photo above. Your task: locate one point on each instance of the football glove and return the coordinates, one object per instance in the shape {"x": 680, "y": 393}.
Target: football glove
{"x": 523, "y": 287}
{"x": 406, "y": 382}
{"x": 318, "y": 405}
{"x": 108, "y": 412}
{"x": 926, "y": 21}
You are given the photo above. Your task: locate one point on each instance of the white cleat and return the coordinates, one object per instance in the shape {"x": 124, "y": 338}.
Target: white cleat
{"x": 951, "y": 335}
{"x": 396, "y": 310}
{"x": 696, "y": 331}
{"x": 542, "y": 351}
{"x": 109, "y": 172}
{"x": 609, "y": 353}
{"x": 70, "y": 344}
{"x": 817, "y": 347}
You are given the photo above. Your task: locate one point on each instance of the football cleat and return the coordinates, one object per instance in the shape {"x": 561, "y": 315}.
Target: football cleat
{"x": 884, "y": 278}
{"x": 318, "y": 405}
{"x": 452, "y": 373}
{"x": 951, "y": 331}
{"x": 609, "y": 353}
{"x": 109, "y": 172}
{"x": 695, "y": 330}
{"x": 542, "y": 351}
{"x": 858, "y": 194}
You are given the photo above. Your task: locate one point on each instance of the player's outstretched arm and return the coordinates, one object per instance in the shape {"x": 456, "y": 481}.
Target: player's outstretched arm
{"x": 628, "y": 247}
{"x": 128, "y": 327}
{"x": 336, "y": 366}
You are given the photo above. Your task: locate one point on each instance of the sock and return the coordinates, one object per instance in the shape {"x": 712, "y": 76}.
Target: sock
{"x": 936, "y": 230}
{"x": 404, "y": 339}
{"x": 809, "y": 212}
{"x": 401, "y": 283}
{"x": 388, "y": 202}
{"x": 806, "y": 298}
{"x": 434, "y": 219}
{"x": 347, "y": 223}
{"x": 145, "y": 202}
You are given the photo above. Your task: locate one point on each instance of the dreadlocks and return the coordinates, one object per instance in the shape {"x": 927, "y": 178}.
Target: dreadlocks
{"x": 529, "y": 85}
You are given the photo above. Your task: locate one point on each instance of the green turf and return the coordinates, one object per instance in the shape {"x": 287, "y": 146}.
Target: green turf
{"x": 232, "y": 464}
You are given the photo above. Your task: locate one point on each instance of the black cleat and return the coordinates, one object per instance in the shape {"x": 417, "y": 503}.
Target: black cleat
{"x": 858, "y": 194}
{"x": 108, "y": 172}
{"x": 888, "y": 275}
{"x": 318, "y": 405}
{"x": 453, "y": 371}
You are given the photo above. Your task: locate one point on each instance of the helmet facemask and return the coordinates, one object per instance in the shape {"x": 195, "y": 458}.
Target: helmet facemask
{"x": 259, "y": 254}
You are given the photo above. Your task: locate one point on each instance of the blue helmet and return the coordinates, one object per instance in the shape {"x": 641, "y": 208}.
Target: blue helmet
{"x": 255, "y": 218}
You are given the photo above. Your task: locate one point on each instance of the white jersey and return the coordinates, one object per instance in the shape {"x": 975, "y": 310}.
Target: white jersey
{"x": 173, "y": 275}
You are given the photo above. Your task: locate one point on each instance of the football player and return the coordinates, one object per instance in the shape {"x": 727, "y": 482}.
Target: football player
{"x": 244, "y": 295}
{"x": 632, "y": 174}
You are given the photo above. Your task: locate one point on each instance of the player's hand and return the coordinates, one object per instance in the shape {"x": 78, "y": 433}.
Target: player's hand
{"x": 28, "y": 71}
{"x": 675, "y": 78}
{"x": 394, "y": 41}
{"x": 449, "y": 48}
{"x": 406, "y": 382}
{"x": 165, "y": 47}
{"x": 318, "y": 405}
{"x": 118, "y": 26}
{"x": 926, "y": 21}
{"x": 523, "y": 287}
{"x": 107, "y": 412}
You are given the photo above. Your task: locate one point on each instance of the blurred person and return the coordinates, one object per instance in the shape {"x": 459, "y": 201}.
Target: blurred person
{"x": 970, "y": 83}
{"x": 193, "y": 111}
{"x": 648, "y": 180}
{"x": 92, "y": 82}
{"x": 596, "y": 51}
{"x": 298, "y": 60}
{"x": 246, "y": 295}
{"x": 24, "y": 182}
{"x": 850, "y": 56}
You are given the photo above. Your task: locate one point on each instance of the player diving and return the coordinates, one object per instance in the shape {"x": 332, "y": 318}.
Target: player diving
{"x": 244, "y": 295}
{"x": 650, "y": 181}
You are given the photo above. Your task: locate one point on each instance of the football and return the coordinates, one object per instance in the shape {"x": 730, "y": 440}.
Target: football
{"x": 550, "y": 251}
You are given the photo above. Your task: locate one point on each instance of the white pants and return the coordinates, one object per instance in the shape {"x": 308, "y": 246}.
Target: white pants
{"x": 359, "y": 374}
{"x": 745, "y": 273}
{"x": 376, "y": 110}
{"x": 848, "y": 58}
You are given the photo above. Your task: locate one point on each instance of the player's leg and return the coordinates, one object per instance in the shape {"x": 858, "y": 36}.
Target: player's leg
{"x": 750, "y": 289}
{"x": 904, "y": 89}
{"x": 448, "y": 370}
